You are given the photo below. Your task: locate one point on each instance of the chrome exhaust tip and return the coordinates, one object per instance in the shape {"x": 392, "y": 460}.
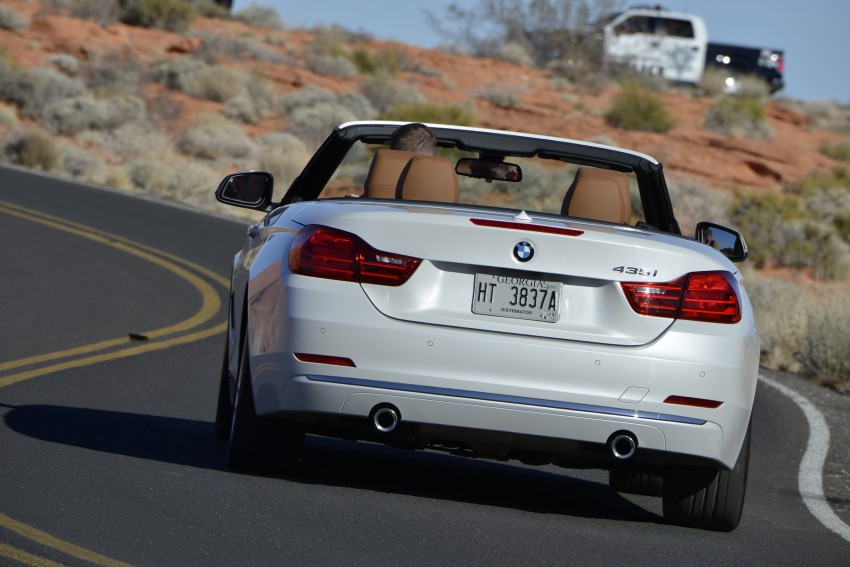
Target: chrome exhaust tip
{"x": 385, "y": 418}
{"x": 623, "y": 445}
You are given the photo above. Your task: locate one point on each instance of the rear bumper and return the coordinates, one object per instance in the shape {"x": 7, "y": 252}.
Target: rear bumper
{"x": 512, "y": 387}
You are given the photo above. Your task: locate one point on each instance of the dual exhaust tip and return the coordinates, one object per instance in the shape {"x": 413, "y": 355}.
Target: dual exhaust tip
{"x": 386, "y": 417}
{"x": 623, "y": 445}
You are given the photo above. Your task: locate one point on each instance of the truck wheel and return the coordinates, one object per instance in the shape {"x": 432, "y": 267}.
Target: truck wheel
{"x": 632, "y": 482}
{"x": 707, "y": 497}
{"x": 258, "y": 443}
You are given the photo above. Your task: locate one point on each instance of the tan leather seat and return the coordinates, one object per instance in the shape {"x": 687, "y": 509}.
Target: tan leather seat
{"x": 429, "y": 178}
{"x": 599, "y": 194}
{"x": 384, "y": 173}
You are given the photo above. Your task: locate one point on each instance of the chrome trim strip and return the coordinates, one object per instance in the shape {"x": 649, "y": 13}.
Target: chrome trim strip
{"x": 520, "y": 400}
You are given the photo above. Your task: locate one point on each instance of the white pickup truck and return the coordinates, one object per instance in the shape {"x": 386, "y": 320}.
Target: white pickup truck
{"x": 675, "y": 46}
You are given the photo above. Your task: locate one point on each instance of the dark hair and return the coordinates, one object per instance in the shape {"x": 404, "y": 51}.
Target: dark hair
{"x": 414, "y": 137}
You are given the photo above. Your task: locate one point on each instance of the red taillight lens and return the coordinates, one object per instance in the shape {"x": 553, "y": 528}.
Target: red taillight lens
{"x": 324, "y": 252}
{"x": 701, "y": 296}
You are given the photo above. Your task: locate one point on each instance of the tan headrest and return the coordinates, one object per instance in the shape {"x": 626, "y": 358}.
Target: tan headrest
{"x": 599, "y": 194}
{"x": 429, "y": 178}
{"x": 384, "y": 173}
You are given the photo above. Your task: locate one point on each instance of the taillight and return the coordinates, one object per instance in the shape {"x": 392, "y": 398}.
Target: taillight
{"x": 324, "y": 252}
{"x": 700, "y": 296}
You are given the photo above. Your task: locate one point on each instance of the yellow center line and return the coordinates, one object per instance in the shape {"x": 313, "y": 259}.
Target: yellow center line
{"x": 210, "y": 301}
{"x": 54, "y": 542}
{"x": 26, "y": 558}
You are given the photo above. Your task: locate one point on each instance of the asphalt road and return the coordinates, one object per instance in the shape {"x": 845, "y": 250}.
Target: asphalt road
{"x": 107, "y": 454}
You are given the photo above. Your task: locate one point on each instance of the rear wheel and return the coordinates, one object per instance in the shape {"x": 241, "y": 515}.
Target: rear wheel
{"x": 258, "y": 443}
{"x": 224, "y": 408}
{"x": 706, "y": 497}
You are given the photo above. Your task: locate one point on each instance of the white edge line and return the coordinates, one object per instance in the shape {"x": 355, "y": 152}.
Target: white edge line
{"x": 810, "y": 479}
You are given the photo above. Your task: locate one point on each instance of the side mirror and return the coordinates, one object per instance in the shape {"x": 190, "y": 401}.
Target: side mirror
{"x": 489, "y": 169}
{"x": 728, "y": 241}
{"x": 249, "y": 189}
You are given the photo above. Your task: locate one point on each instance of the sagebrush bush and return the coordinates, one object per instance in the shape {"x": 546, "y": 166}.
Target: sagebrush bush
{"x": 128, "y": 141}
{"x": 779, "y": 232}
{"x": 284, "y": 156}
{"x": 331, "y": 65}
{"x": 33, "y": 150}
{"x": 101, "y": 12}
{"x": 8, "y": 116}
{"x": 635, "y": 108}
{"x": 313, "y": 123}
{"x": 383, "y": 92}
{"x": 33, "y": 89}
{"x": 114, "y": 72}
{"x": 170, "y": 15}
{"x": 694, "y": 203}
{"x": 426, "y": 112}
{"x": 384, "y": 62}
{"x": 839, "y": 152}
{"x": 217, "y": 83}
{"x": 515, "y": 52}
{"x": 259, "y": 17}
{"x": 215, "y": 141}
{"x": 73, "y": 115}
{"x": 499, "y": 95}
{"x": 12, "y": 20}
{"x": 217, "y": 46}
{"x": 65, "y": 63}
{"x": 739, "y": 116}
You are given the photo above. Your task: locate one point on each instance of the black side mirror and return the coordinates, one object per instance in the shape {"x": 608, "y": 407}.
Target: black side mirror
{"x": 730, "y": 242}
{"x": 249, "y": 189}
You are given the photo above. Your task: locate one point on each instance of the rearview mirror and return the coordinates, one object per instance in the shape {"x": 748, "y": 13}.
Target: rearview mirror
{"x": 489, "y": 169}
{"x": 728, "y": 241}
{"x": 249, "y": 189}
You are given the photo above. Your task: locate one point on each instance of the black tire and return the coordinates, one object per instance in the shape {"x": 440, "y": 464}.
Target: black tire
{"x": 631, "y": 482}
{"x": 258, "y": 443}
{"x": 706, "y": 497}
{"x": 224, "y": 407}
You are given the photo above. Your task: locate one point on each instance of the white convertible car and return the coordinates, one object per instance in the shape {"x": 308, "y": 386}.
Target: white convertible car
{"x": 513, "y": 297}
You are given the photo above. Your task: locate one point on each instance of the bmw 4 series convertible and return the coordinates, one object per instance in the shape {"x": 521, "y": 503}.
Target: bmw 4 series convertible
{"x": 512, "y": 296}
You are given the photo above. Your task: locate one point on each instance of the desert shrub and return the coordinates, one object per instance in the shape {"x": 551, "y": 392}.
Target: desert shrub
{"x": 750, "y": 86}
{"x": 499, "y": 95}
{"x": 426, "y": 112}
{"x": 98, "y": 11}
{"x": 780, "y": 232}
{"x": 826, "y": 197}
{"x": 385, "y": 62}
{"x": 515, "y": 52}
{"x": 65, "y": 63}
{"x": 694, "y": 203}
{"x": 33, "y": 89}
{"x": 214, "y": 141}
{"x": 128, "y": 140}
{"x": 356, "y": 104}
{"x": 383, "y": 92}
{"x": 177, "y": 73}
{"x": 211, "y": 9}
{"x": 713, "y": 82}
{"x": 8, "y": 116}
{"x": 780, "y": 308}
{"x": 217, "y": 83}
{"x": 634, "y": 108}
{"x": 252, "y": 103}
{"x": 172, "y": 177}
{"x": 12, "y": 20}
{"x": 739, "y": 116}
{"x": 33, "y": 150}
{"x": 73, "y": 115}
{"x": 259, "y": 17}
{"x": 824, "y": 351}
{"x": 312, "y": 124}
{"x": 839, "y": 152}
{"x": 77, "y": 163}
{"x": 542, "y": 27}
{"x": 115, "y": 72}
{"x": 217, "y": 46}
{"x": 171, "y": 15}
{"x": 284, "y": 156}
{"x": 331, "y": 65}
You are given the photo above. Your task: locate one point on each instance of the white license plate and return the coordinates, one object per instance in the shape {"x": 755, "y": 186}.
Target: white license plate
{"x": 517, "y": 297}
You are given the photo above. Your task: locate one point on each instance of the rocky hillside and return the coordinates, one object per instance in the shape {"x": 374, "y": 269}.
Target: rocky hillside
{"x": 499, "y": 94}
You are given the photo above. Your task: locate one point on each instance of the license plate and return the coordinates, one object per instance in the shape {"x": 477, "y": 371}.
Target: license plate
{"x": 517, "y": 297}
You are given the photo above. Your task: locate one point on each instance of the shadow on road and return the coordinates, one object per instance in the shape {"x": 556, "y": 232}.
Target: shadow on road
{"x": 331, "y": 462}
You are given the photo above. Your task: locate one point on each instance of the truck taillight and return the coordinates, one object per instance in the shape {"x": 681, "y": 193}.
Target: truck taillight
{"x": 325, "y": 252}
{"x": 699, "y": 296}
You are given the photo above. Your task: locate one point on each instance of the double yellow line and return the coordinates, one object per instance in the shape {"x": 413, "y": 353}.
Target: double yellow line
{"x": 121, "y": 347}
{"x": 197, "y": 276}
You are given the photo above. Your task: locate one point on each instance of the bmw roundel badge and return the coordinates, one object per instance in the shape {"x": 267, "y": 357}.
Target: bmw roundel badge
{"x": 523, "y": 251}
